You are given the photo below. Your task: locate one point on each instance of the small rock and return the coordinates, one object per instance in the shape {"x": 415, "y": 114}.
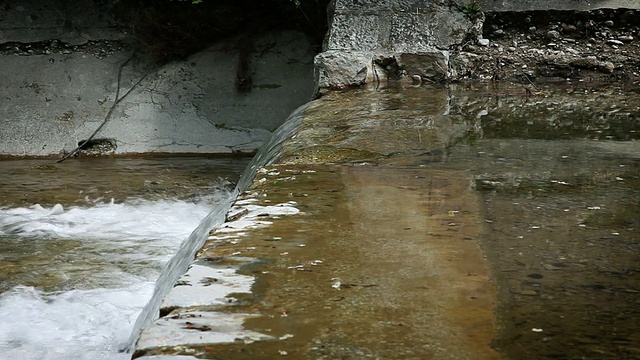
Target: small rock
{"x": 569, "y": 28}
{"x": 625, "y": 38}
{"x": 614, "y": 42}
{"x": 498, "y": 32}
{"x": 608, "y": 23}
{"x": 483, "y": 42}
{"x": 532, "y": 29}
{"x": 529, "y": 292}
{"x": 553, "y": 34}
{"x": 511, "y": 48}
{"x": 551, "y": 267}
{"x": 607, "y": 67}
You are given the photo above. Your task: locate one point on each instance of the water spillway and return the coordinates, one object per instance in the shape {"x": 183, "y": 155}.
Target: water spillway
{"x": 185, "y": 255}
{"x": 423, "y": 213}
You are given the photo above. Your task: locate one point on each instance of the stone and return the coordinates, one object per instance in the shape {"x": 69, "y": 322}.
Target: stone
{"x": 608, "y": 23}
{"x": 625, "y": 38}
{"x": 432, "y": 66}
{"x": 483, "y": 42}
{"x": 337, "y": 69}
{"x": 553, "y": 34}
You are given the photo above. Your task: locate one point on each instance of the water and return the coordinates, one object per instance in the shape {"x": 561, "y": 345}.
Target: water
{"x": 83, "y": 242}
{"x": 178, "y": 264}
{"x": 557, "y": 176}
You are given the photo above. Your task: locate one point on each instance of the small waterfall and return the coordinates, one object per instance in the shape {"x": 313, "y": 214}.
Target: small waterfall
{"x": 178, "y": 265}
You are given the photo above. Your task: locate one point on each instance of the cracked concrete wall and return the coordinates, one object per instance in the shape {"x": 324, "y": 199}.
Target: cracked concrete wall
{"x": 60, "y": 61}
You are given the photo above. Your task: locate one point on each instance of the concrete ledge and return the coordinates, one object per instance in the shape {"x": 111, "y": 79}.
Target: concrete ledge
{"x": 570, "y": 5}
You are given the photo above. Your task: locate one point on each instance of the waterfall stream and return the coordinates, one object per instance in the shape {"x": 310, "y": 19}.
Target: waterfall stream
{"x": 185, "y": 254}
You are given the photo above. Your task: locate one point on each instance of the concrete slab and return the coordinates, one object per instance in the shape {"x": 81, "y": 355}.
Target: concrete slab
{"x": 569, "y": 5}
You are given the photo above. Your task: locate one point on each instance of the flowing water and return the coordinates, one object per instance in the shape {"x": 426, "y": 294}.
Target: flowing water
{"x": 178, "y": 264}
{"x": 83, "y": 242}
{"x": 557, "y": 176}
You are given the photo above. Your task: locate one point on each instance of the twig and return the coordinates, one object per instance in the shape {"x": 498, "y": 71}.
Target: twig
{"x": 113, "y": 106}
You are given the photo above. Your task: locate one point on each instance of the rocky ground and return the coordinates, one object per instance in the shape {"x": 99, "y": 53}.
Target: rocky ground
{"x": 601, "y": 45}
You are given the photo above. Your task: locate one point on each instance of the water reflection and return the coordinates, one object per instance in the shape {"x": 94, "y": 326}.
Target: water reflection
{"x": 559, "y": 176}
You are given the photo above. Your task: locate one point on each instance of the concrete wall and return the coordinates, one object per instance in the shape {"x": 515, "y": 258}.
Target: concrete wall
{"x": 60, "y": 64}
{"x": 373, "y": 41}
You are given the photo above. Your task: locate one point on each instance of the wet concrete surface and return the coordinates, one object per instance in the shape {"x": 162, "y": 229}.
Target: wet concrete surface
{"x": 444, "y": 223}
{"x": 411, "y": 284}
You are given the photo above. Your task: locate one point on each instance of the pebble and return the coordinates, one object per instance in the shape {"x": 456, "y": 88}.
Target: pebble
{"x": 625, "y": 38}
{"x": 553, "y": 34}
{"x": 498, "y": 32}
{"x": 551, "y": 267}
{"x": 532, "y": 29}
{"x": 483, "y": 42}
{"x": 614, "y": 42}
{"x": 608, "y": 23}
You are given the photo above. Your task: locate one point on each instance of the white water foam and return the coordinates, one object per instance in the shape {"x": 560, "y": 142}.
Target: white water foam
{"x": 78, "y": 324}
{"x": 91, "y": 322}
{"x": 127, "y": 221}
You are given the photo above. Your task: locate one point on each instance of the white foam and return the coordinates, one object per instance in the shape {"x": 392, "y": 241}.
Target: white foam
{"x": 203, "y": 285}
{"x": 183, "y": 329}
{"x": 140, "y": 220}
{"x": 92, "y": 323}
{"x": 79, "y": 325}
{"x": 253, "y": 219}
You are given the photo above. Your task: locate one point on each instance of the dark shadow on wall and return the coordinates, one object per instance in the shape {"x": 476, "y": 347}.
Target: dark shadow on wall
{"x": 172, "y": 30}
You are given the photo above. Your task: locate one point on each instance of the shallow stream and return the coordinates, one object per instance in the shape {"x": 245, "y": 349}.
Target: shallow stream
{"x": 558, "y": 175}
{"x": 555, "y": 174}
